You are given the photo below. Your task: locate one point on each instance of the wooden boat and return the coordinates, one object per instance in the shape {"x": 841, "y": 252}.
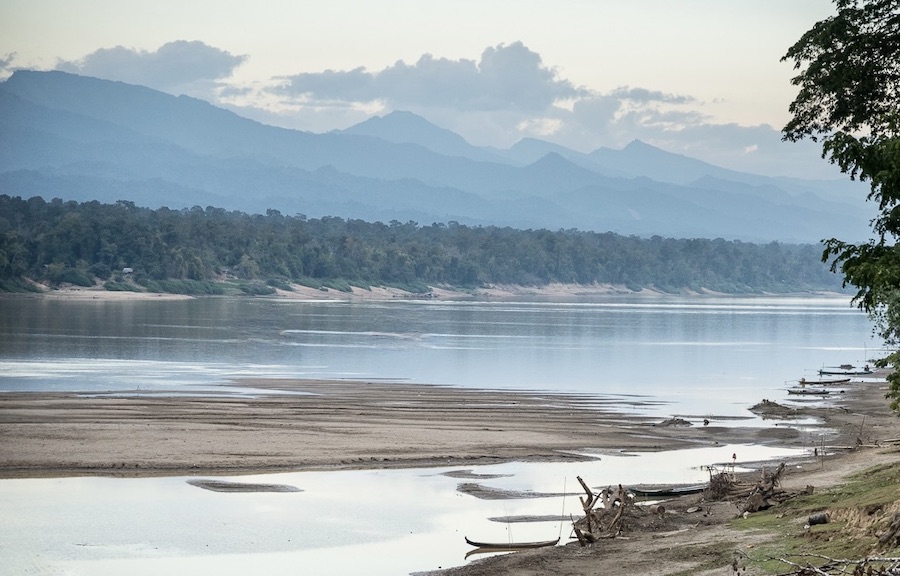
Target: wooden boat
{"x": 500, "y": 546}
{"x": 668, "y": 491}
{"x": 827, "y": 372}
{"x": 824, "y": 382}
{"x": 808, "y": 392}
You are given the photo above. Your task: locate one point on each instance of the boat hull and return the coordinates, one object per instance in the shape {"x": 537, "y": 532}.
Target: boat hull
{"x": 826, "y": 382}
{"x": 668, "y": 491}
{"x": 803, "y": 392}
{"x": 511, "y": 545}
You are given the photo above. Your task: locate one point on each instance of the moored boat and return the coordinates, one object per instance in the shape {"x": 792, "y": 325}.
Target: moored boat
{"x": 842, "y": 372}
{"x": 511, "y": 545}
{"x": 806, "y": 391}
{"x": 824, "y": 381}
{"x": 667, "y": 491}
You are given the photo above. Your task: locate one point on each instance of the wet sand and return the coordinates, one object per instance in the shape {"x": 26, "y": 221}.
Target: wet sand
{"x": 327, "y": 425}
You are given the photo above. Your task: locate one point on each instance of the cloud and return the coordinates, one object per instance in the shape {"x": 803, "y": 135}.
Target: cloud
{"x": 507, "y": 77}
{"x": 174, "y": 66}
{"x": 507, "y": 94}
{"x": 646, "y": 96}
{"x": 6, "y": 67}
{"x": 597, "y": 113}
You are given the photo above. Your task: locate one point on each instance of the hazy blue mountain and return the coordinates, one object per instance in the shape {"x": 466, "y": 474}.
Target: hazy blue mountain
{"x": 641, "y": 159}
{"x": 403, "y": 127}
{"x": 80, "y": 138}
{"x": 530, "y": 150}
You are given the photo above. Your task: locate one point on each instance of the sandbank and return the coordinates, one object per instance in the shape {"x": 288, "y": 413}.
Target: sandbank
{"x": 549, "y": 292}
{"x": 341, "y": 424}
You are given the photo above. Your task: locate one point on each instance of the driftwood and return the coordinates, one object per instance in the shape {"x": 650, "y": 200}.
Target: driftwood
{"x": 825, "y": 566}
{"x": 764, "y": 491}
{"x": 587, "y": 504}
{"x": 612, "y": 511}
{"x": 605, "y": 522}
{"x": 759, "y": 496}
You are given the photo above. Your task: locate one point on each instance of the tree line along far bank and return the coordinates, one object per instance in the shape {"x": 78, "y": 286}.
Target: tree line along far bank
{"x": 212, "y": 251}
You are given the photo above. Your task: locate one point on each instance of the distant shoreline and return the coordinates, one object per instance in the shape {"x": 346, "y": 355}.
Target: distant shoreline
{"x": 550, "y": 292}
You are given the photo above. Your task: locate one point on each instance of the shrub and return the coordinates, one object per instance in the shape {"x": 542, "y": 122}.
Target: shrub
{"x": 256, "y": 289}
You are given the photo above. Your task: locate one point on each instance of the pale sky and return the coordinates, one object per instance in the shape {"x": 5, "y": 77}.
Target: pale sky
{"x": 698, "y": 77}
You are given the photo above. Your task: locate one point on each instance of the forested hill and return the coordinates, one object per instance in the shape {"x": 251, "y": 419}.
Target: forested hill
{"x": 212, "y": 250}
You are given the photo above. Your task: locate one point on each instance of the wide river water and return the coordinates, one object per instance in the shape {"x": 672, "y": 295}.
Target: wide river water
{"x": 700, "y": 355}
{"x": 661, "y": 355}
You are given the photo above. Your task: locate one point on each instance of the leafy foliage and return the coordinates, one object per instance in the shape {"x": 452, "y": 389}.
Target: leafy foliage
{"x": 850, "y": 97}
{"x": 192, "y": 251}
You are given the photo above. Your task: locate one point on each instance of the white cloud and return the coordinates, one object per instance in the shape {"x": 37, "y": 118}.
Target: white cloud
{"x": 650, "y": 96}
{"x": 507, "y": 77}
{"x": 179, "y": 66}
{"x": 6, "y": 67}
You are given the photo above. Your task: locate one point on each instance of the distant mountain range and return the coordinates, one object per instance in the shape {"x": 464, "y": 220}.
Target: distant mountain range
{"x": 79, "y": 138}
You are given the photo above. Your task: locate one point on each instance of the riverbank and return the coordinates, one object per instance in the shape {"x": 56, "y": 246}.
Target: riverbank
{"x": 550, "y": 292}
{"x": 333, "y": 425}
{"x": 709, "y": 538}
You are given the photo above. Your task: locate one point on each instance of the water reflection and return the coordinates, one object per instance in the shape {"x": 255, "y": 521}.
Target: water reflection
{"x": 399, "y": 521}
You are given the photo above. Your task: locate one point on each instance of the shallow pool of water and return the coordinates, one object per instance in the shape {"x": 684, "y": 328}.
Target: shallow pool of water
{"x": 391, "y": 521}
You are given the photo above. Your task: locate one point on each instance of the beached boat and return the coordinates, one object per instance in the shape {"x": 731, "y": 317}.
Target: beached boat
{"x": 807, "y": 391}
{"x": 667, "y": 491}
{"x": 832, "y": 372}
{"x": 824, "y": 381}
{"x": 499, "y": 546}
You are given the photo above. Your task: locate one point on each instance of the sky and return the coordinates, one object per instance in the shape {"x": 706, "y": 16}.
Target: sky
{"x": 696, "y": 77}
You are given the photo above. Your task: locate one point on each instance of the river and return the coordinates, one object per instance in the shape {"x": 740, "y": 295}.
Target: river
{"x": 700, "y": 355}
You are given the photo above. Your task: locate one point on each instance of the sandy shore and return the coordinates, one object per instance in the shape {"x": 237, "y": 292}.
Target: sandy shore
{"x": 305, "y": 425}
{"x": 554, "y": 292}
{"x": 326, "y": 425}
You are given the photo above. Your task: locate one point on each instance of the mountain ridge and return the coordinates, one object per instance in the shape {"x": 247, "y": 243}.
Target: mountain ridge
{"x": 125, "y": 137}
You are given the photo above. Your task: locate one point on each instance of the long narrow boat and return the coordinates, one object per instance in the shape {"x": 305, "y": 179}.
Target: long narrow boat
{"x": 826, "y": 372}
{"x": 511, "y": 545}
{"x": 808, "y": 392}
{"x": 825, "y": 381}
{"x": 667, "y": 491}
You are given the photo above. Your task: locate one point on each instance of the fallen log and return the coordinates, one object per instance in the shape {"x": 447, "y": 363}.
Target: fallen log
{"x": 759, "y": 496}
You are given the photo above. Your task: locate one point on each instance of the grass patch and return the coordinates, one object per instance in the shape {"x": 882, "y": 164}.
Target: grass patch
{"x": 414, "y": 287}
{"x": 255, "y": 289}
{"x": 17, "y": 285}
{"x": 280, "y": 284}
{"x": 191, "y": 287}
{"x": 310, "y": 283}
{"x": 338, "y": 284}
{"x": 860, "y": 510}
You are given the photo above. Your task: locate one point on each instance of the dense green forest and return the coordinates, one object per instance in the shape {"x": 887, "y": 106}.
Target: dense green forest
{"x": 212, "y": 250}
